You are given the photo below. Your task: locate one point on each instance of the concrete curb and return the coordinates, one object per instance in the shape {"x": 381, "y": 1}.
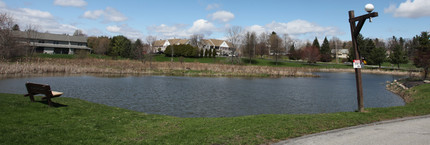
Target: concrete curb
{"x": 352, "y": 127}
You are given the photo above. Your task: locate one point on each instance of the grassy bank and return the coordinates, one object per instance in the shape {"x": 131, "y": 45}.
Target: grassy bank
{"x": 82, "y": 122}
{"x": 265, "y": 61}
{"x": 42, "y": 65}
{"x": 104, "y": 66}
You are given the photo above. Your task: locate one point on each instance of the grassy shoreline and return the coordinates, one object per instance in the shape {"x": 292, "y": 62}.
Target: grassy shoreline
{"x": 82, "y": 122}
{"x": 106, "y": 66}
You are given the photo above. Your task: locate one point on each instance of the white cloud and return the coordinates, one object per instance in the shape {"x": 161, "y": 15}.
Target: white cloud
{"x": 35, "y": 13}
{"x": 222, "y": 16}
{"x": 410, "y": 9}
{"x": 125, "y": 30}
{"x": 301, "y": 27}
{"x": 202, "y": 26}
{"x": 296, "y": 29}
{"x": 114, "y": 29}
{"x": 95, "y": 32}
{"x": 2, "y": 4}
{"x": 212, "y": 6}
{"x": 43, "y": 20}
{"x": 199, "y": 26}
{"x": 71, "y": 3}
{"x": 256, "y": 28}
{"x": 93, "y": 14}
{"x": 109, "y": 14}
{"x": 166, "y": 31}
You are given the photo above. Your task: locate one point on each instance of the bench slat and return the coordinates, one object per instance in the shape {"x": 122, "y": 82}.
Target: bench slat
{"x": 34, "y": 89}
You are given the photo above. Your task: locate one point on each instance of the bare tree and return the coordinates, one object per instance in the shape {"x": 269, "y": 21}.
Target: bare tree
{"x": 287, "y": 41}
{"x": 262, "y": 46}
{"x": 196, "y": 40}
{"x": 9, "y": 46}
{"x": 234, "y": 36}
{"x": 336, "y": 43}
{"x": 16, "y": 27}
{"x": 311, "y": 54}
{"x": 138, "y": 49}
{"x": 100, "y": 45}
{"x": 275, "y": 46}
{"x": 148, "y": 56}
{"x": 79, "y": 32}
{"x": 103, "y": 45}
{"x": 250, "y": 41}
{"x": 32, "y": 34}
{"x": 151, "y": 40}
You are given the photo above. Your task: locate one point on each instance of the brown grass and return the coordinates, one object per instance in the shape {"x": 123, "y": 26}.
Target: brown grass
{"x": 371, "y": 71}
{"x": 113, "y": 67}
{"x": 100, "y": 66}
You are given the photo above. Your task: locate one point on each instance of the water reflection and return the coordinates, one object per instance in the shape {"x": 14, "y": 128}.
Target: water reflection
{"x": 219, "y": 97}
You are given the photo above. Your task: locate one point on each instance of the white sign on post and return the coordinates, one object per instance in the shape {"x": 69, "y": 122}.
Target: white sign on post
{"x": 356, "y": 63}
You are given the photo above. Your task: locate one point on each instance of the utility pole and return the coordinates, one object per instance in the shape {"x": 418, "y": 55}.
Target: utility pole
{"x": 355, "y": 31}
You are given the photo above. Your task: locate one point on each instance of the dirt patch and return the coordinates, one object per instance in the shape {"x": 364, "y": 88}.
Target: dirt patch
{"x": 411, "y": 84}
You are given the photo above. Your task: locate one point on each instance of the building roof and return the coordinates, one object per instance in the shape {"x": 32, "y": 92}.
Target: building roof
{"x": 183, "y": 41}
{"x": 159, "y": 43}
{"x": 49, "y": 36}
{"x": 216, "y": 42}
{"x": 178, "y": 41}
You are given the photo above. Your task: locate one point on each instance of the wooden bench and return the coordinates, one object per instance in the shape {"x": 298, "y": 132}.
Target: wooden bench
{"x": 34, "y": 89}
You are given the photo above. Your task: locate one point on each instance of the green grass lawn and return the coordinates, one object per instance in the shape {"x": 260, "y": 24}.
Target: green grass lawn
{"x": 82, "y": 122}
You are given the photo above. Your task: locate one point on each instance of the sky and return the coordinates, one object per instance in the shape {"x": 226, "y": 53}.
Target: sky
{"x": 300, "y": 19}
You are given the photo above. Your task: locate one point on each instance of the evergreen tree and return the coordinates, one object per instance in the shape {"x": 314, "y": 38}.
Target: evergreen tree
{"x": 206, "y": 53}
{"x": 120, "y": 46}
{"x": 316, "y": 43}
{"x": 168, "y": 51}
{"x": 325, "y": 51}
{"x": 201, "y": 53}
{"x": 137, "y": 50}
{"x": 292, "y": 53}
{"x": 422, "y": 52}
{"x": 360, "y": 43}
{"x": 366, "y": 51}
{"x": 16, "y": 27}
{"x": 378, "y": 56}
{"x": 210, "y": 53}
{"x": 398, "y": 56}
{"x": 214, "y": 53}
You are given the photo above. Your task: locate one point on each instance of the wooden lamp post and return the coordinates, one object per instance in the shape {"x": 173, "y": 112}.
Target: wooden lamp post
{"x": 355, "y": 31}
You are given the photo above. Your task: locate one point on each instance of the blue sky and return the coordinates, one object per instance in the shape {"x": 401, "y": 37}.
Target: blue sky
{"x": 301, "y": 19}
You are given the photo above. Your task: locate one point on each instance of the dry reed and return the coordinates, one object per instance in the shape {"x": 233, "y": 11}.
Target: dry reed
{"x": 102, "y": 66}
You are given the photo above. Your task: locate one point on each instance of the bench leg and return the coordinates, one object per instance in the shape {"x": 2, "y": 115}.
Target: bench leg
{"x": 49, "y": 101}
{"x": 31, "y": 98}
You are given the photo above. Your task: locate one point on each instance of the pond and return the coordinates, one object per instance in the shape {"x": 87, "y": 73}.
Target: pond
{"x": 220, "y": 97}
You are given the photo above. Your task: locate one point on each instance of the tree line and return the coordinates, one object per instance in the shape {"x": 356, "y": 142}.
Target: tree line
{"x": 374, "y": 51}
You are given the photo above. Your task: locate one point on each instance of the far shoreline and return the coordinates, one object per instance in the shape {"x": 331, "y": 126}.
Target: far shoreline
{"x": 42, "y": 66}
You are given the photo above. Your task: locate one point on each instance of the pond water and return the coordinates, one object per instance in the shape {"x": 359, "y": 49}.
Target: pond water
{"x": 220, "y": 97}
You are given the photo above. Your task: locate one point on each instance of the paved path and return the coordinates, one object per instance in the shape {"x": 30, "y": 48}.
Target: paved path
{"x": 405, "y": 131}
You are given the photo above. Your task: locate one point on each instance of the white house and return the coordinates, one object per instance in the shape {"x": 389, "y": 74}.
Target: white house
{"x": 341, "y": 53}
{"x": 161, "y": 45}
{"x": 221, "y": 46}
